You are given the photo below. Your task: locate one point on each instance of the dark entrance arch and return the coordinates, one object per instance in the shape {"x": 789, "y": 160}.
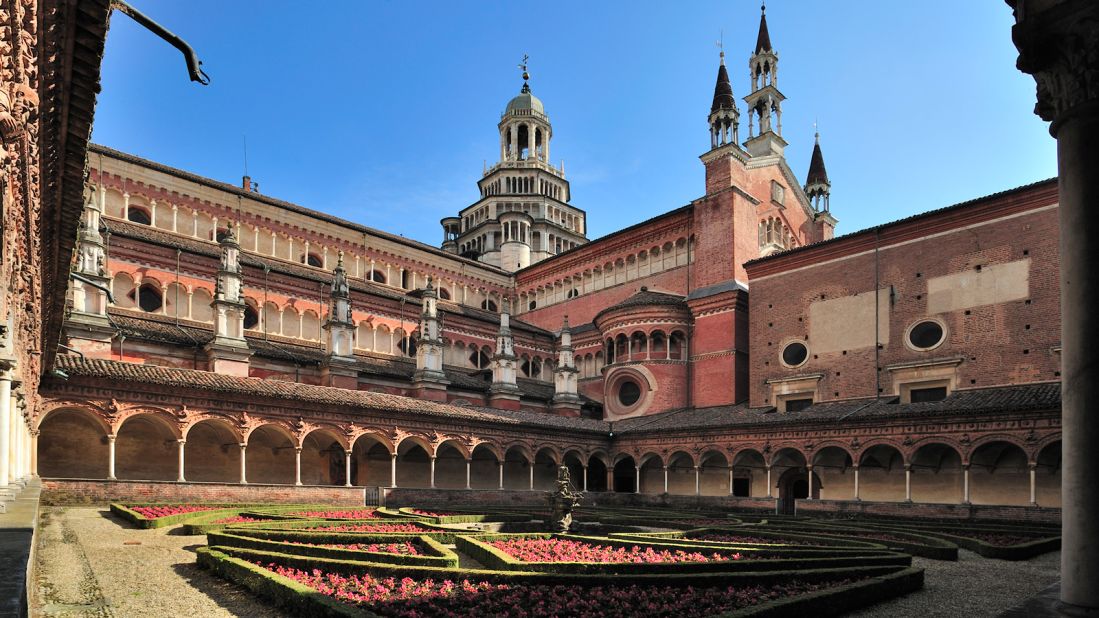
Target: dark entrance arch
{"x": 625, "y": 476}
{"x": 597, "y": 474}
{"x": 794, "y": 485}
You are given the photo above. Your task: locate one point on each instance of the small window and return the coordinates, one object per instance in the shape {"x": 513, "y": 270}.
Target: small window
{"x": 925, "y": 335}
{"x": 797, "y": 405}
{"x": 628, "y": 393}
{"x": 794, "y": 354}
{"x": 444, "y": 294}
{"x": 377, "y": 277}
{"x": 924, "y": 395}
{"x": 490, "y": 305}
{"x": 148, "y": 298}
{"x": 778, "y": 192}
{"x": 314, "y": 260}
{"x": 221, "y": 234}
{"x": 139, "y": 215}
{"x": 573, "y": 293}
{"x": 251, "y": 318}
{"x": 533, "y": 305}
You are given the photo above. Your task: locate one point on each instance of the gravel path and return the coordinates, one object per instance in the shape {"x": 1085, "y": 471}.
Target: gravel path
{"x": 87, "y": 568}
{"x": 971, "y": 587}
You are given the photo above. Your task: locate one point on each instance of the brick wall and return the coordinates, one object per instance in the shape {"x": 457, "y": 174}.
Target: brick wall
{"x": 917, "y": 510}
{"x": 997, "y": 343}
{"x": 66, "y": 491}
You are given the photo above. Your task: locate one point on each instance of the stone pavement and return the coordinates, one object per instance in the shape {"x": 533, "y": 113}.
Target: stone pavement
{"x": 17, "y": 523}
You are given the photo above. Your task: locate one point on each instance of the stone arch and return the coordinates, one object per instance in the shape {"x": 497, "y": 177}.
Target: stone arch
{"x": 999, "y": 472}
{"x": 310, "y": 325}
{"x": 450, "y": 464}
{"x": 414, "y": 461}
{"x": 881, "y": 472}
{"x": 936, "y": 472}
{"x": 323, "y": 457}
{"x": 147, "y": 447}
{"x": 201, "y": 311}
{"x": 371, "y": 459}
{"x": 1047, "y": 473}
{"x": 713, "y": 472}
{"x": 625, "y": 473}
{"x": 272, "y": 318}
{"x": 270, "y": 454}
{"x": 72, "y": 443}
{"x": 989, "y": 438}
{"x": 681, "y": 473}
{"x": 212, "y": 451}
{"x": 652, "y": 473}
{"x": 518, "y": 460}
{"x": 484, "y": 466}
{"x": 833, "y": 463}
{"x": 750, "y": 472}
{"x": 546, "y": 460}
{"x": 291, "y": 322}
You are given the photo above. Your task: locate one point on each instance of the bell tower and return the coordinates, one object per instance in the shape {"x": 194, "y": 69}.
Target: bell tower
{"x": 765, "y": 100}
{"x": 523, "y": 215}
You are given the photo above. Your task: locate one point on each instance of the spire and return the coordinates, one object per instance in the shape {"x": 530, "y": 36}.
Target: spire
{"x": 723, "y": 90}
{"x": 565, "y": 397}
{"x": 228, "y": 352}
{"x": 817, "y": 187}
{"x": 504, "y": 361}
{"x": 763, "y": 40}
{"x": 526, "y": 75}
{"x": 429, "y": 353}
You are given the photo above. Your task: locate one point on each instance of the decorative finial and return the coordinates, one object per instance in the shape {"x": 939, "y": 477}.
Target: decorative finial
{"x": 339, "y": 259}
{"x": 526, "y": 75}
{"x": 721, "y": 46}
{"x": 816, "y": 131}
{"x": 763, "y": 6}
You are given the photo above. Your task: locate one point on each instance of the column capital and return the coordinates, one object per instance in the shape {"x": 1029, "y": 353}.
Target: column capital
{"x": 181, "y": 441}
{"x": 1058, "y": 45}
{"x": 111, "y": 437}
{"x": 297, "y": 449}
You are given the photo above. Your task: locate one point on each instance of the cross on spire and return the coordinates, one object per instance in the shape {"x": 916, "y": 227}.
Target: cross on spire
{"x": 526, "y": 75}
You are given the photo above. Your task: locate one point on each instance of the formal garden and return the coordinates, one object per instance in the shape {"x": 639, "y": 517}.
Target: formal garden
{"x": 343, "y": 561}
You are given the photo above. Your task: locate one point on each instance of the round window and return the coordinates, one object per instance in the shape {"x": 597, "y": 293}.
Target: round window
{"x": 925, "y": 335}
{"x": 795, "y": 354}
{"x": 628, "y": 393}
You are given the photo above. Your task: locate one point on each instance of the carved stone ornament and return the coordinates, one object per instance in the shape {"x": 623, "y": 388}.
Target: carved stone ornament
{"x": 1059, "y": 47}
{"x": 855, "y": 444}
{"x": 113, "y": 408}
{"x": 182, "y": 413}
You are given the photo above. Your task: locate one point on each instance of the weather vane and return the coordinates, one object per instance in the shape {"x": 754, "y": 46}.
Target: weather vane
{"x": 721, "y": 42}
{"x": 523, "y": 67}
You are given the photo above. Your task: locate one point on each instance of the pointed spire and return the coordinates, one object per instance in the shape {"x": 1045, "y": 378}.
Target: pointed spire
{"x": 817, "y": 173}
{"x": 763, "y": 40}
{"x": 723, "y": 89}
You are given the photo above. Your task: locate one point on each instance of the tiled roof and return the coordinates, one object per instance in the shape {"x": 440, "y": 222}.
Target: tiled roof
{"x": 763, "y": 39}
{"x": 723, "y": 90}
{"x": 971, "y": 402}
{"x": 189, "y": 380}
{"x": 646, "y": 298}
{"x": 817, "y": 173}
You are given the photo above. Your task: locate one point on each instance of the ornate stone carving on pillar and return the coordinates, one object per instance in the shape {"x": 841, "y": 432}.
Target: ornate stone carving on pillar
{"x": 1058, "y": 44}
{"x": 339, "y": 369}
{"x": 228, "y": 353}
{"x": 566, "y": 401}
{"x": 87, "y": 325}
{"x": 429, "y": 380}
{"x": 504, "y": 392}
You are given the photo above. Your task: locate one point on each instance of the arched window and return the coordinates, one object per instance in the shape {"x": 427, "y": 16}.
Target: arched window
{"x": 479, "y": 359}
{"x": 314, "y": 260}
{"x": 377, "y": 277}
{"x": 444, "y": 294}
{"x": 490, "y": 305}
{"x": 221, "y": 234}
{"x": 251, "y": 317}
{"x": 139, "y": 215}
{"x": 148, "y": 297}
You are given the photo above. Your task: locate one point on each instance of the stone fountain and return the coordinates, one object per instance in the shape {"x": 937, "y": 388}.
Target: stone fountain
{"x": 562, "y": 501}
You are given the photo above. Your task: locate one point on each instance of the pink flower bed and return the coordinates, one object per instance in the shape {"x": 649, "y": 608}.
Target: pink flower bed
{"x": 381, "y": 528}
{"x": 561, "y": 550}
{"x": 238, "y": 519}
{"x": 155, "y": 512}
{"x": 431, "y": 514}
{"x": 743, "y": 538}
{"x": 407, "y": 597}
{"x": 997, "y": 538}
{"x": 352, "y": 514}
{"x": 401, "y": 547}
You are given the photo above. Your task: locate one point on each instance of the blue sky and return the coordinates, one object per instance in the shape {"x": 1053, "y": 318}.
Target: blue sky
{"x": 383, "y": 112}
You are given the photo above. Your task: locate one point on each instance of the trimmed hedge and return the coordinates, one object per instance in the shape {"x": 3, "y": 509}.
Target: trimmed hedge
{"x": 782, "y": 540}
{"x": 876, "y": 583}
{"x": 493, "y": 558}
{"x": 916, "y": 544}
{"x": 437, "y": 554}
{"x": 462, "y": 518}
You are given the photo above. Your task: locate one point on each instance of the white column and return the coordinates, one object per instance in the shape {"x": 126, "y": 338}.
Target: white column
{"x": 393, "y": 471}
{"x": 637, "y": 479}
{"x": 347, "y": 469}
{"x": 965, "y": 484}
{"x": 433, "y": 472}
{"x": 297, "y": 465}
{"x": 243, "y": 463}
{"x": 665, "y": 479}
{"x": 769, "y": 492}
{"x": 809, "y": 473}
{"x": 731, "y": 480}
{"x": 468, "y": 465}
{"x": 1033, "y": 484}
{"x": 856, "y": 468}
{"x": 698, "y": 481}
{"x": 500, "y": 469}
{"x": 908, "y": 482}
{"x": 110, "y": 457}
{"x": 34, "y": 453}
{"x": 585, "y": 478}
{"x": 532, "y": 476}
{"x": 182, "y": 448}
{"x": 5, "y": 427}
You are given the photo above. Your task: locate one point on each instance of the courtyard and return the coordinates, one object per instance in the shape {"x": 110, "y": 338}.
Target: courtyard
{"x": 95, "y": 562}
